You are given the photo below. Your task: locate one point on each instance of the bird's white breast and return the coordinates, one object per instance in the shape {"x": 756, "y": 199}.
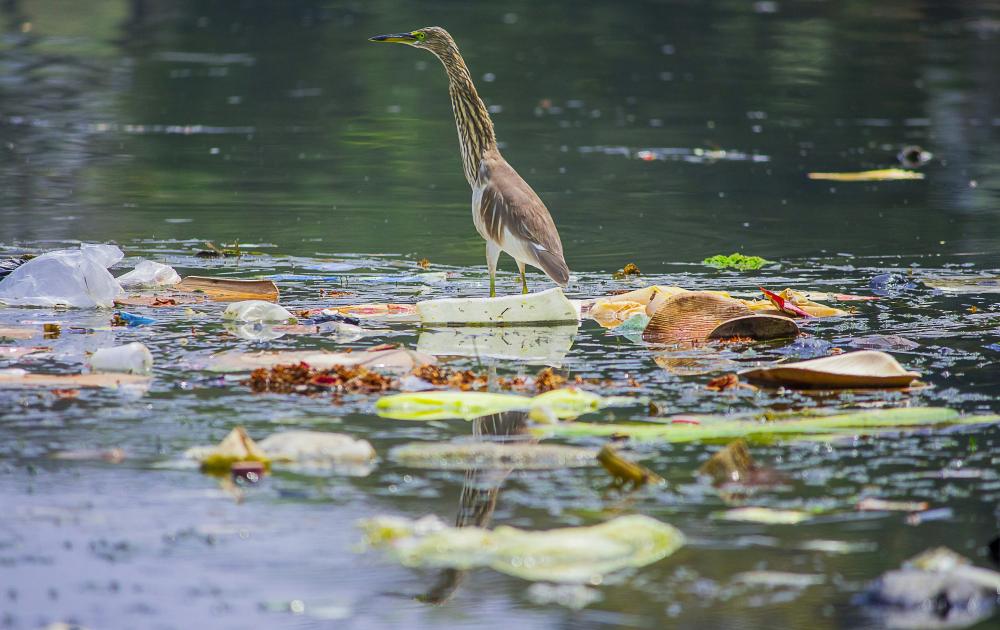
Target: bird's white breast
{"x": 477, "y": 202}
{"x": 519, "y": 249}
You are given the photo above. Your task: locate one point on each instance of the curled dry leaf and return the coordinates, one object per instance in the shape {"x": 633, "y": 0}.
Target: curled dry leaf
{"x": 866, "y": 368}
{"x": 691, "y": 316}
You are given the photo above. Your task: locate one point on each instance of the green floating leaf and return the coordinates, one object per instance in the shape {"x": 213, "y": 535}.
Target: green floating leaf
{"x": 569, "y": 554}
{"x": 689, "y": 429}
{"x": 441, "y": 405}
{"x": 736, "y": 261}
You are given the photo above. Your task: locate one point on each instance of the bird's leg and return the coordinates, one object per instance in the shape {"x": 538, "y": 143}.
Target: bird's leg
{"x": 492, "y": 255}
{"x": 524, "y": 281}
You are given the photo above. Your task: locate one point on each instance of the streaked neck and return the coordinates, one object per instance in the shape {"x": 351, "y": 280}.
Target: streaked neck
{"x": 475, "y": 129}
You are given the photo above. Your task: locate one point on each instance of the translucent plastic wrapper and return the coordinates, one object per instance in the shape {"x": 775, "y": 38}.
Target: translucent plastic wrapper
{"x": 149, "y": 274}
{"x": 133, "y": 358}
{"x": 65, "y": 277}
{"x": 256, "y": 311}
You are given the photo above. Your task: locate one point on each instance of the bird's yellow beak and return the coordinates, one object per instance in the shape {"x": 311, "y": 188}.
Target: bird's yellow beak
{"x": 395, "y": 38}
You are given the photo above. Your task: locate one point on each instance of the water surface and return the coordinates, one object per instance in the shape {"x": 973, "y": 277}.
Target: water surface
{"x": 161, "y": 125}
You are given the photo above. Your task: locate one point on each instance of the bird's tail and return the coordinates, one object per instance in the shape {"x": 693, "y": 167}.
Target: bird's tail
{"x": 554, "y": 265}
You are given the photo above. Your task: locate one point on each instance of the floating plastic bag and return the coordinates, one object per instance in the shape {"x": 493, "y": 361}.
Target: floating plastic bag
{"x": 256, "y": 311}
{"x": 133, "y": 358}
{"x": 149, "y": 274}
{"x": 65, "y": 277}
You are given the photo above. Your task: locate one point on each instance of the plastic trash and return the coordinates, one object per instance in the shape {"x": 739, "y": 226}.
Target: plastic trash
{"x": 133, "y": 358}
{"x": 132, "y": 320}
{"x": 65, "y": 277}
{"x": 149, "y": 274}
{"x": 256, "y": 311}
{"x": 549, "y": 306}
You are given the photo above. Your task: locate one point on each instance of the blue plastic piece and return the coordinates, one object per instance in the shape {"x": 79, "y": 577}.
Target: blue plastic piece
{"x": 132, "y": 320}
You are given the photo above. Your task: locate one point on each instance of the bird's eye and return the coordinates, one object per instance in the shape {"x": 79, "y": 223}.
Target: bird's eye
{"x": 420, "y": 36}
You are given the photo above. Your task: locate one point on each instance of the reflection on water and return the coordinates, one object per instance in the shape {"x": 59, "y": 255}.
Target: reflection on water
{"x": 480, "y": 492}
{"x": 545, "y": 345}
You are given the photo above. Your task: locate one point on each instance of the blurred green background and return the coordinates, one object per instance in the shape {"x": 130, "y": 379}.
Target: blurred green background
{"x": 278, "y": 122}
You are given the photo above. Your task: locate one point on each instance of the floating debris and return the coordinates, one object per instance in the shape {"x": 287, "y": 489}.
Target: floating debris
{"x": 881, "y": 505}
{"x": 626, "y": 472}
{"x": 767, "y": 516}
{"x": 935, "y": 589}
{"x": 796, "y": 427}
{"x": 442, "y": 405}
{"x": 303, "y": 379}
{"x": 737, "y": 261}
{"x": 691, "y": 316}
{"x": 491, "y": 456}
{"x": 964, "y": 285}
{"x": 388, "y": 358}
{"x": 564, "y": 555}
{"x": 549, "y": 306}
{"x": 880, "y": 175}
{"x": 628, "y": 271}
{"x": 133, "y": 358}
{"x": 865, "y": 368}
{"x": 257, "y": 311}
{"x": 16, "y": 378}
{"x": 236, "y": 447}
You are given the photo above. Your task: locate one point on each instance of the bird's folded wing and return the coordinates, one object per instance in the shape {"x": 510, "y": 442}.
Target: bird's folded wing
{"x": 508, "y": 202}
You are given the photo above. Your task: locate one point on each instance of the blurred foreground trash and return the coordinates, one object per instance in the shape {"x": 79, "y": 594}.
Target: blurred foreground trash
{"x": 66, "y": 277}
{"x": 936, "y": 589}
{"x": 298, "y": 450}
{"x": 133, "y": 358}
{"x": 565, "y": 555}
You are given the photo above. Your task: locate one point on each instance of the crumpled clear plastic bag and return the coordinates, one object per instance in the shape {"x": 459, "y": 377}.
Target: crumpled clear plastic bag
{"x": 256, "y": 311}
{"x": 65, "y": 277}
{"x": 149, "y": 274}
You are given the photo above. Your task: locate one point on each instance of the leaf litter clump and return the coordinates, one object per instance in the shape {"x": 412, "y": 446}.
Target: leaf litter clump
{"x": 303, "y": 379}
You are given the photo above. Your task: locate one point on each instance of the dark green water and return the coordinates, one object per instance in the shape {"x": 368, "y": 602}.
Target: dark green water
{"x": 158, "y": 125}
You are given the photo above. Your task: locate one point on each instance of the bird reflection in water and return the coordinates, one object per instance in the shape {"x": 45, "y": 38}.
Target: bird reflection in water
{"x": 480, "y": 491}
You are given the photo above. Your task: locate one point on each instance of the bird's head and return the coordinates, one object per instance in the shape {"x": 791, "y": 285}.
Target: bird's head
{"x": 433, "y": 38}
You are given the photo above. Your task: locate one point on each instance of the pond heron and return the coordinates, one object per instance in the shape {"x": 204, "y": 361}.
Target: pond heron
{"x": 506, "y": 211}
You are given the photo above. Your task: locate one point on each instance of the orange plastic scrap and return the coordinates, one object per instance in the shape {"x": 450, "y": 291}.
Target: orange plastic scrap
{"x": 376, "y": 310}
{"x": 613, "y": 314}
